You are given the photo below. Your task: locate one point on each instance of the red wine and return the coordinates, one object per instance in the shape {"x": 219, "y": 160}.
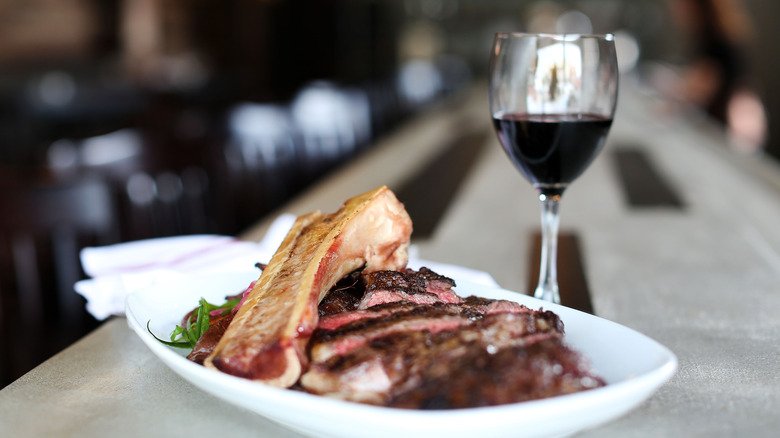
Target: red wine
{"x": 551, "y": 150}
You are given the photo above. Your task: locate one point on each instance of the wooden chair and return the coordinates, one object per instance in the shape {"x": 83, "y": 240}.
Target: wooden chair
{"x": 43, "y": 226}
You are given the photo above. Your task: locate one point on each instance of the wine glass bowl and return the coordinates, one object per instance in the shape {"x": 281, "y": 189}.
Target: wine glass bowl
{"x": 552, "y": 100}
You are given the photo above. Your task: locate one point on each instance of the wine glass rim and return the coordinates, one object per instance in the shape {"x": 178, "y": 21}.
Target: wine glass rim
{"x": 557, "y": 36}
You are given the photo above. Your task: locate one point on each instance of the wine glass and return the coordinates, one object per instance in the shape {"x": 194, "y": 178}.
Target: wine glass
{"x": 552, "y": 99}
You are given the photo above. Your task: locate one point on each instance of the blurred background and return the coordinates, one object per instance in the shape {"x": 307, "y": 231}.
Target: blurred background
{"x": 132, "y": 119}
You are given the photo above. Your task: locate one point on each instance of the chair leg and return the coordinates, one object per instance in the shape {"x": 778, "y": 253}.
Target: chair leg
{"x": 26, "y": 348}
{"x": 28, "y": 280}
{"x": 69, "y": 306}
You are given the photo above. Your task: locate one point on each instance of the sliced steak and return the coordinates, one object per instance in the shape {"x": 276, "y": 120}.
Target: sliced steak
{"x": 327, "y": 343}
{"x": 376, "y": 363}
{"x": 437, "y": 284}
{"x": 339, "y": 334}
{"x": 480, "y": 378}
{"x": 471, "y": 306}
{"x": 422, "y": 287}
{"x": 405, "y": 339}
{"x": 344, "y": 297}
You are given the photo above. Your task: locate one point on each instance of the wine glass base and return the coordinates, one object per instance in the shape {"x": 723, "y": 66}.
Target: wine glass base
{"x": 548, "y": 294}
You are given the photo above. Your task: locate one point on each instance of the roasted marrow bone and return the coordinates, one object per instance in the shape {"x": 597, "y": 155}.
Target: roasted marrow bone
{"x": 266, "y": 341}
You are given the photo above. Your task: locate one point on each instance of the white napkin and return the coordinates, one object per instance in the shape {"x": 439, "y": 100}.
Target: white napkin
{"x": 120, "y": 269}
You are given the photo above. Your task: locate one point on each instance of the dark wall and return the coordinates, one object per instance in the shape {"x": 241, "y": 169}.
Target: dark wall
{"x": 268, "y": 50}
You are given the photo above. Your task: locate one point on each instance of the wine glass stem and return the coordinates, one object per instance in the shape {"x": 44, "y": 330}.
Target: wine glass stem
{"x": 547, "y": 289}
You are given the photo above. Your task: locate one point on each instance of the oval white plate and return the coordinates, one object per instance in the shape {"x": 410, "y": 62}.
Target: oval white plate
{"x": 633, "y": 365}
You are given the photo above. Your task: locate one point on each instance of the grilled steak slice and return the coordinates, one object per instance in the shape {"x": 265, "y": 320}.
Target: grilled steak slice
{"x": 376, "y": 363}
{"x": 328, "y": 343}
{"x": 339, "y": 334}
{"x": 267, "y": 338}
{"x": 423, "y": 287}
{"x": 437, "y": 284}
{"x": 480, "y": 378}
{"x": 344, "y": 297}
{"x": 471, "y": 306}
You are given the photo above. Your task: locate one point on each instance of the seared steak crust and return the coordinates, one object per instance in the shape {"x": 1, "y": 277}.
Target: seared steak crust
{"x": 423, "y": 287}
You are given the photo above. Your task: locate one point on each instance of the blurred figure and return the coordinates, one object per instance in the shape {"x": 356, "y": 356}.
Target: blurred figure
{"x": 717, "y": 77}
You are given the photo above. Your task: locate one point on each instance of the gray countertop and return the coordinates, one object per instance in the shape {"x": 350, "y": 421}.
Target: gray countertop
{"x": 701, "y": 279}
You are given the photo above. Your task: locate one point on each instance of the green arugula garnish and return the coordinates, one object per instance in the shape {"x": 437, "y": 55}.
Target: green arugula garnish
{"x": 188, "y": 336}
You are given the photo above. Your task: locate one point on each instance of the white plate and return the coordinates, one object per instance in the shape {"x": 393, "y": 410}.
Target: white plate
{"x": 633, "y": 365}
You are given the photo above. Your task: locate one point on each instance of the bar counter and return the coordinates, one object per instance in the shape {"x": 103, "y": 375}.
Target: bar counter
{"x": 689, "y": 257}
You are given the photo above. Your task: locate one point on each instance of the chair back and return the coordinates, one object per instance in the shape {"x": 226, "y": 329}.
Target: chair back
{"x": 43, "y": 226}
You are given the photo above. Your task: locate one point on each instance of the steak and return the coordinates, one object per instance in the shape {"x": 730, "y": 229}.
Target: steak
{"x": 386, "y": 292}
{"x": 421, "y": 346}
{"x": 457, "y": 378}
{"x": 338, "y": 334}
{"x": 344, "y": 297}
{"x": 499, "y": 358}
{"x": 423, "y": 287}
